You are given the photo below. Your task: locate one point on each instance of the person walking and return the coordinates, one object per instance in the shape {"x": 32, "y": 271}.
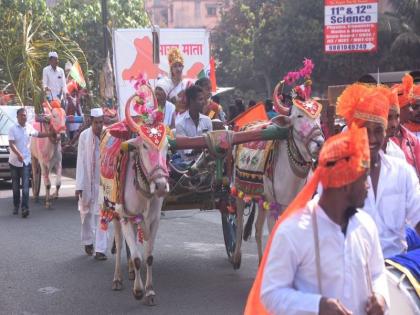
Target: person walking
{"x": 87, "y": 186}
{"x": 20, "y": 160}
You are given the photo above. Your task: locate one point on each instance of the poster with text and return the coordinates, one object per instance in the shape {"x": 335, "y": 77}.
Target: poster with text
{"x": 350, "y": 26}
{"x": 133, "y": 55}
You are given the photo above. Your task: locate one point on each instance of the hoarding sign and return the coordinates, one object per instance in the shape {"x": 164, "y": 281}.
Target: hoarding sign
{"x": 350, "y": 26}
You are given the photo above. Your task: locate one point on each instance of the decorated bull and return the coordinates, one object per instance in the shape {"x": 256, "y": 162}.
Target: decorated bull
{"x": 269, "y": 174}
{"x": 134, "y": 183}
{"x": 46, "y": 152}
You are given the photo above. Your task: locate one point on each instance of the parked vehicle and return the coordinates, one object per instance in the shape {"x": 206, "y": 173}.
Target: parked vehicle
{"x": 7, "y": 119}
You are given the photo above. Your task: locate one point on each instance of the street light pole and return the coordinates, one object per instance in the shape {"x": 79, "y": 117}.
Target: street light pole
{"x": 104, "y": 9}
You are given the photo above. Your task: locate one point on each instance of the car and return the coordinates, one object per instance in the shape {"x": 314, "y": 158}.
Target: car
{"x": 7, "y": 120}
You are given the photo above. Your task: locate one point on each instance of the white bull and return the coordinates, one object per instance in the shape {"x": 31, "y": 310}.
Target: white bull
{"x": 292, "y": 160}
{"x": 46, "y": 152}
{"x": 145, "y": 184}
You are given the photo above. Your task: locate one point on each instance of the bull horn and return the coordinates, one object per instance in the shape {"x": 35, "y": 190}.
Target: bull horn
{"x": 281, "y": 109}
{"x": 130, "y": 121}
{"x": 167, "y": 188}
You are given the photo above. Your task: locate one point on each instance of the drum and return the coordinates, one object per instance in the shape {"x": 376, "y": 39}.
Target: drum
{"x": 403, "y": 297}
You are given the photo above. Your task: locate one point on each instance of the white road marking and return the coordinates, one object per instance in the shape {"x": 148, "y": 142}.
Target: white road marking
{"x": 49, "y": 290}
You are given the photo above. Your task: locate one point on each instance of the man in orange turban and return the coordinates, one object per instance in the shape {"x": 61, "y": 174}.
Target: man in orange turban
{"x": 394, "y": 195}
{"x": 324, "y": 255}
{"x": 405, "y": 139}
{"x": 413, "y": 123}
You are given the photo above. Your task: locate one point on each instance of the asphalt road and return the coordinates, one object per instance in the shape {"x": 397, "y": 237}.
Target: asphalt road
{"x": 43, "y": 268}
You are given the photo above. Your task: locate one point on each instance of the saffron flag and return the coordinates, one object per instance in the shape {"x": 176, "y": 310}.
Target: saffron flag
{"x": 77, "y": 74}
{"x": 254, "y": 113}
{"x": 209, "y": 72}
{"x": 213, "y": 74}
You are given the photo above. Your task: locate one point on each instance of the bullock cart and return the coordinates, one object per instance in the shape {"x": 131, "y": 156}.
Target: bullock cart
{"x": 206, "y": 185}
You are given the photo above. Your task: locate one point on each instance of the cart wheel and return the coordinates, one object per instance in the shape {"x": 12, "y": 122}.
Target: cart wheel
{"x": 36, "y": 178}
{"x": 229, "y": 231}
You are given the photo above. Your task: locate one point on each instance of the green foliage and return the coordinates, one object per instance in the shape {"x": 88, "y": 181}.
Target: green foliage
{"x": 73, "y": 28}
{"x": 258, "y": 42}
{"x": 82, "y": 22}
{"x": 25, "y": 41}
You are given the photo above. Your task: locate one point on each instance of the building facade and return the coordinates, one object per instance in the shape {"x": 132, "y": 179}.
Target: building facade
{"x": 186, "y": 13}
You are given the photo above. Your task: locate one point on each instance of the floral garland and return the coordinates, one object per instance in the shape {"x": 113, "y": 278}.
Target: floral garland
{"x": 150, "y": 116}
{"x": 304, "y": 72}
{"x": 274, "y": 207}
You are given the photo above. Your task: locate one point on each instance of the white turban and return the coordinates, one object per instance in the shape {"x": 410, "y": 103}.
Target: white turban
{"x": 96, "y": 112}
{"x": 165, "y": 84}
{"x": 52, "y": 54}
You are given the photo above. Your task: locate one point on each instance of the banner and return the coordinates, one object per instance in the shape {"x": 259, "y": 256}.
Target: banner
{"x": 133, "y": 54}
{"x": 350, "y": 26}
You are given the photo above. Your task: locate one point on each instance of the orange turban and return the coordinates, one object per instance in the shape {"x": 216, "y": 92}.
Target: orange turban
{"x": 391, "y": 95}
{"x": 55, "y": 104}
{"x": 342, "y": 160}
{"x": 174, "y": 56}
{"x": 360, "y": 103}
{"x": 405, "y": 90}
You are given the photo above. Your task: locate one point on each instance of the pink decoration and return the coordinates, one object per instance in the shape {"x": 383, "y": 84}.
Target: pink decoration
{"x": 305, "y": 71}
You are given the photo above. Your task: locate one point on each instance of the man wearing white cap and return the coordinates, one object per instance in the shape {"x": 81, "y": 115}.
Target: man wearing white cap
{"x": 162, "y": 89}
{"x": 87, "y": 186}
{"x": 53, "y": 78}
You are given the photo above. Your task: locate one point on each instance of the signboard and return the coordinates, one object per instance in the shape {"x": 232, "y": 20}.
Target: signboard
{"x": 133, "y": 55}
{"x": 350, "y": 26}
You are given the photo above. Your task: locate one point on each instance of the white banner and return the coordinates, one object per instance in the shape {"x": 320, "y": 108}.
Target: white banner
{"x": 133, "y": 55}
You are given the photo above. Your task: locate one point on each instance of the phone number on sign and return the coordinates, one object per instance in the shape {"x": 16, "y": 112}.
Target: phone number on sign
{"x": 347, "y": 47}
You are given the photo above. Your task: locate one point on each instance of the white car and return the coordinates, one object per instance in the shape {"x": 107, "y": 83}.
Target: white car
{"x": 7, "y": 119}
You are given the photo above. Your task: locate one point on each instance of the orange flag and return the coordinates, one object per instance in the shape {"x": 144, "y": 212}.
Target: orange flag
{"x": 213, "y": 75}
{"x": 254, "y": 113}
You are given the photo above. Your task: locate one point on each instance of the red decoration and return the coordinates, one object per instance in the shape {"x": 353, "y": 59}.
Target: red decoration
{"x": 155, "y": 134}
{"x": 311, "y": 107}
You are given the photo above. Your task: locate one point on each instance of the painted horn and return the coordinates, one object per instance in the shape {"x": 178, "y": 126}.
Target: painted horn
{"x": 281, "y": 109}
{"x": 130, "y": 121}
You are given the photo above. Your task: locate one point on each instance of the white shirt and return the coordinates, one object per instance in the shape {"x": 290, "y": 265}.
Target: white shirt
{"x": 392, "y": 149}
{"x": 187, "y": 127}
{"x": 55, "y": 80}
{"x": 289, "y": 284}
{"x": 22, "y": 138}
{"x": 397, "y": 203}
{"x": 169, "y": 111}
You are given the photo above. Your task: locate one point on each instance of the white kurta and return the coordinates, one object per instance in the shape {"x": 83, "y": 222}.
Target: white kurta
{"x": 392, "y": 149}
{"x": 55, "y": 80}
{"x": 87, "y": 172}
{"x": 397, "y": 203}
{"x": 290, "y": 284}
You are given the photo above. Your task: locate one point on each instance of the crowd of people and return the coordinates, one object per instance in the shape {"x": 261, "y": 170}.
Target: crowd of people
{"x": 366, "y": 186}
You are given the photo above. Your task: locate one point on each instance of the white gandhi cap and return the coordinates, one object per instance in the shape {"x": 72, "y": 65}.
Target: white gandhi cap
{"x": 52, "y": 54}
{"x": 96, "y": 112}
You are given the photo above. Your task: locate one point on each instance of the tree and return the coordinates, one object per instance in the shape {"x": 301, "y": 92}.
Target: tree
{"x": 81, "y": 21}
{"x": 25, "y": 41}
{"x": 404, "y": 25}
{"x": 258, "y": 42}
